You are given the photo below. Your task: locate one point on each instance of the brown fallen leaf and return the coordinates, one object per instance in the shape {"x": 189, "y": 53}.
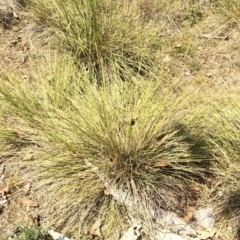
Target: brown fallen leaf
{"x": 20, "y": 134}
{"x": 191, "y": 209}
{"x": 161, "y": 164}
{"x": 95, "y": 229}
{"x": 106, "y": 192}
{"x": 178, "y": 44}
{"x": 186, "y": 218}
{"x": 25, "y": 202}
{"x": 5, "y": 190}
{"x": 190, "y": 213}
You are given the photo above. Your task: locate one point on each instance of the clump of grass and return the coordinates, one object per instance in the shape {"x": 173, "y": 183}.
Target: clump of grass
{"x": 31, "y": 232}
{"x": 102, "y": 35}
{"x": 136, "y": 134}
{"x": 230, "y": 10}
{"x": 222, "y": 134}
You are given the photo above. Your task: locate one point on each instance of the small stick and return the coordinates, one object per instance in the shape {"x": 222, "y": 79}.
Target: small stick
{"x": 209, "y": 36}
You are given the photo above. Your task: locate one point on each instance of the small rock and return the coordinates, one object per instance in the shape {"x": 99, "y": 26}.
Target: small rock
{"x": 187, "y": 74}
{"x": 204, "y": 217}
{"x": 57, "y": 236}
{"x": 4, "y": 203}
{"x": 206, "y": 234}
{"x": 166, "y": 235}
{"x": 173, "y": 221}
{"x": 132, "y": 233}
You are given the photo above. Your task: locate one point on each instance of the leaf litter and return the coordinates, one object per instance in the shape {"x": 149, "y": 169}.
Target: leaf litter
{"x": 26, "y": 202}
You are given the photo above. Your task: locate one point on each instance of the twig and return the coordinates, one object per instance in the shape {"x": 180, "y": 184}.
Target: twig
{"x": 209, "y": 36}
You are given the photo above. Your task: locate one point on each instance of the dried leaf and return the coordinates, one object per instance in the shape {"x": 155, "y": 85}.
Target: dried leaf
{"x": 162, "y": 164}
{"x": 186, "y": 218}
{"x": 25, "y": 202}
{"x": 13, "y": 43}
{"x": 95, "y": 229}
{"x": 106, "y": 192}
{"x": 178, "y": 44}
{"x": 190, "y": 213}
{"x": 191, "y": 209}
{"x": 20, "y": 134}
{"x": 8, "y": 195}
{"x": 5, "y": 190}
{"x": 26, "y": 47}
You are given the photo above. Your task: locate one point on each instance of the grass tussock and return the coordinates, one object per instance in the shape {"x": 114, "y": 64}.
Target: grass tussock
{"x": 230, "y": 10}
{"x": 103, "y": 35}
{"x": 221, "y": 131}
{"x": 137, "y": 135}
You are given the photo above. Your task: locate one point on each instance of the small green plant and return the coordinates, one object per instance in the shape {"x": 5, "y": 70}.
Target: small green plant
{"x": 31, "y": 232}
{"x": 196, "y": 14}
{"x": 193, "y": 12}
